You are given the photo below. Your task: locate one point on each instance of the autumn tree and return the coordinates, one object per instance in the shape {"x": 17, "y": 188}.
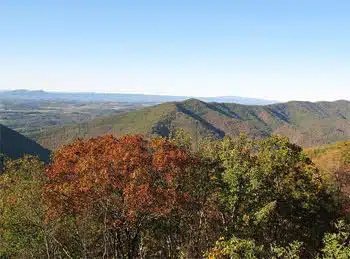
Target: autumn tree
{"x": 133, "y": 197}
{"x": 130, "y": 187}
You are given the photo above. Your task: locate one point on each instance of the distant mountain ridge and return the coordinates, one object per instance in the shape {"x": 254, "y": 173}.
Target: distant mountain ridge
{"x": 305, "y": 123}
{"x": 238, "y": 100}
{"x": 120, "y": 97}
{"x": 14, "y": 145}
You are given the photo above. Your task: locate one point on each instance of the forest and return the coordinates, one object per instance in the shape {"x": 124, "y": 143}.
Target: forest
{"x": 141, "y": 197}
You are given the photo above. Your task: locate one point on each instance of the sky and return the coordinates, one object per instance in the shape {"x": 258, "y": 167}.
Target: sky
{"x": 278, "y": 50}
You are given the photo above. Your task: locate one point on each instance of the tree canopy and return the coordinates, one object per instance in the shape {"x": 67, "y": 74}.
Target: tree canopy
{"x": 134, "y": 197}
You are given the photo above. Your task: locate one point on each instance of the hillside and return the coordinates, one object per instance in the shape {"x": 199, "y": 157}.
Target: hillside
{"x": 305, "y": 123}
{"x": 334, "y": 159}
{"x": 331, "y": 157}
{"x": 14, "y": 145}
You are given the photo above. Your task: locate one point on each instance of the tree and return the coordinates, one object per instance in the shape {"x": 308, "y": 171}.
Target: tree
{"x": 128, "y": 187}
{"x": 23, "y": 232}
{"x": 132, "y": 197}
{"x": 236, "y": 248}
{"x": 337, "y": 245}
{"x": 342, "y": 176}
{"x": 275, "y": 194}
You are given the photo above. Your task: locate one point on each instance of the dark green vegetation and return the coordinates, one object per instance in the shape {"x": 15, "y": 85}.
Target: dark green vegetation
{"x": 305, "y": 123}
{"x": 14, "y": 145}
{"x": 29, "y": 116}
{"x": 132, "y": 197}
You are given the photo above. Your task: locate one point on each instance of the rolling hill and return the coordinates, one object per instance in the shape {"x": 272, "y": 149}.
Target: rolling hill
{"x": 14, "y": 145}
{"x": 305, "y": 123}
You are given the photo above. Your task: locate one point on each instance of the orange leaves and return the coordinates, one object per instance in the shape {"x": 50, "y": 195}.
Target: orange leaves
{"x": 145, "y": 174}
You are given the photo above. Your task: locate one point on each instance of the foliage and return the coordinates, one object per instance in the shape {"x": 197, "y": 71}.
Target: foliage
{"x": 334, "y": 162}
{"x": 337, "y": 245}
{"x": 292, "y": 251}
{"x": 135, "y": 197}
{"x": 235, "y": 248}
{"x": 128, "y": 186}
{"x": 247, "y": 248}
{"x": 275, "y": 193}
{"x": 22, "y": 228}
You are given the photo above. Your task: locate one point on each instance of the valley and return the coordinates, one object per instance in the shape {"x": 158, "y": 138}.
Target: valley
{"x": 29, "y": 116}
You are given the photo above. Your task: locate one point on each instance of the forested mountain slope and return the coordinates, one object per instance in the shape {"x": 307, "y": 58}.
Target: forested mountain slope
{"x": 305, "y": 123}
{"x": 14, "y": 145}
{"x": 334, "y": 159}
{"x": 331, "y": 157}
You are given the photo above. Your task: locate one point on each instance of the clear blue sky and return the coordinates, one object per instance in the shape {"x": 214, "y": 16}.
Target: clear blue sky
{"x": 281, "y": 50}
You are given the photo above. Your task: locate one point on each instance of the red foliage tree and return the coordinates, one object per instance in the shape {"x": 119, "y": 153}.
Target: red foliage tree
{"x": 129, "y": 180}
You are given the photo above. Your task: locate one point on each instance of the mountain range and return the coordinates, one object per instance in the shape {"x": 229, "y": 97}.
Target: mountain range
{"x": 305, "y": 123}
{"x": 119, "y": 97}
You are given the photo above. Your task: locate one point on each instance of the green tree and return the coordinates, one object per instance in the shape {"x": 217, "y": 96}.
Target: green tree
{"x": 23, "y": 232}
{"x": 337, "y": 245}
{"x": 275, "y": 194}
{"x": 236, "y": 248}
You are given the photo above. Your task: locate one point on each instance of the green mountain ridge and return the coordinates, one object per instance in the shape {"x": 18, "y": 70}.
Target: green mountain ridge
{"x": 14, "y": 145}
{"x": 305, "y": 123}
